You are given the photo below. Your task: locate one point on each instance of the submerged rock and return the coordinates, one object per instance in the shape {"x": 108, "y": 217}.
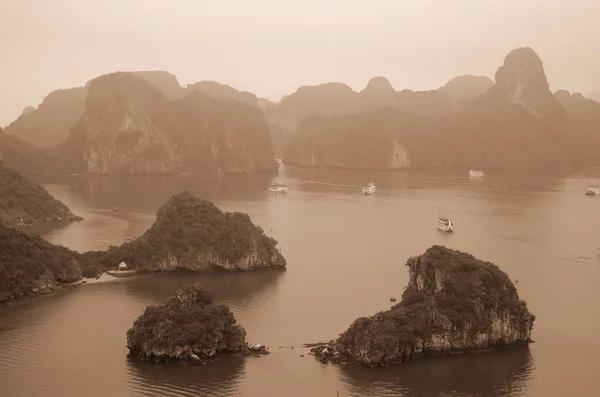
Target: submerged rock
{"x": 453, "y": 303}
{"x": 189, "y": 326}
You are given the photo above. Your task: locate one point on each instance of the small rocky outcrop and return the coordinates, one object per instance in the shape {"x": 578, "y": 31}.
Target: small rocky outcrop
{"x": 192, "y": 234}
{"x": 189, "y": 326}
{"x": 24, "y": 203}
{"x": 31, "y": 266}
{"x": 453, "y": 303}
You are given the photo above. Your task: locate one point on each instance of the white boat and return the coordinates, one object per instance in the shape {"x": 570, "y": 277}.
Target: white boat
{"x": 444, "y": 223}
{"x": 369, "y": 189}
{"x": 593, "y": 190}
{"x": 277, "y": 187}
{"x": 476, "y": 173}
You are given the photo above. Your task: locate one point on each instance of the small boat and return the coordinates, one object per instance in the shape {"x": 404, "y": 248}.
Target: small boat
{"x": 369, "y": 189}
{"x": 593, "y": 190}
{"x": 115, "y": 209}
{"x": 476, "y": 173}
{"x": 277, "y": 187}
{"x": 444, "y": 223}
{"x": 122, "y": 273}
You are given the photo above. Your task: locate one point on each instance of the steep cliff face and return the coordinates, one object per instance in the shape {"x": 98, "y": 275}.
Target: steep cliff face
{"x": 129, "y": 127}
{"x": 49, "y": 124}
{"x": 189, "y": 326}
{"x": 453, "y": 303}
{"x": 522, "y": 80}
{"x": 361, "y": 141}
{"x": 31, "y": 266}
{"x": 192, "y": 234}
{"x": 24, "y": 203}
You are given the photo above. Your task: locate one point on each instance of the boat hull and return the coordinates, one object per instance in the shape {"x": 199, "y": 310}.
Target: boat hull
{"x": 277, "y": 189}
{"x": 122, "y": 273}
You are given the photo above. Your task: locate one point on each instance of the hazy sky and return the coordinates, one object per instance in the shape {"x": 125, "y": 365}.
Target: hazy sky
{"x": 272, "y": 47}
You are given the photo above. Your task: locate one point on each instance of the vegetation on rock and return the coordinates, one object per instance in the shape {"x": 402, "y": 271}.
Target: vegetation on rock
{"x": 189, "y": 326}
{"x": 24, "y": 203}
{"x": 192, "y": 234}
{"x": 30, "y": 266}
{"x": 453, "y": 303}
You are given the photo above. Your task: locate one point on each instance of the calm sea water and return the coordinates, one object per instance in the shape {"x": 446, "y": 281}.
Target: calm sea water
{"x": 346, "y": 254}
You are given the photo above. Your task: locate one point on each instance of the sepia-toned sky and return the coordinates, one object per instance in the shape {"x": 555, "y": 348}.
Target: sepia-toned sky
{"x": 271, "y": 47}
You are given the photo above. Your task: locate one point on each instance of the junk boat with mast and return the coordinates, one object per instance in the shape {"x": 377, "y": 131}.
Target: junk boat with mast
{"x": 278, "y": 187}
{"x": 444, "y": 223}
{"x": 369, "y": 189}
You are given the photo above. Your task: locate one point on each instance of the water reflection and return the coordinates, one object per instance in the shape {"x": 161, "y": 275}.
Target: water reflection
{"x": 239, "y": 289}
{"x": 504, "y": 372}
{"x": 220, "y": 378}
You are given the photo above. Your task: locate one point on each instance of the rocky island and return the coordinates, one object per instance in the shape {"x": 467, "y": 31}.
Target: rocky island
{"x": 192, "y": 234}
{"x": 189, "y": 326}
{"x": 453, "y": 303}
{"x": 31, "y": 266}
{"x": 24, "y": 203}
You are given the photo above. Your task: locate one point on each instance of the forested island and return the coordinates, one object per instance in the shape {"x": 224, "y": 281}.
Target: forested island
{"x": 189, "y": 326}
{"x": 454, "y": 303}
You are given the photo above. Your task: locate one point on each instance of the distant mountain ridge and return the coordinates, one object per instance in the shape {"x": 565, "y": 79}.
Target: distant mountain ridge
{"x": 128, "y": 126}
{"x": 513, "y": 122}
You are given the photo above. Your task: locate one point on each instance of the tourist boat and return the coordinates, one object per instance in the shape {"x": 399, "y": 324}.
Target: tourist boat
{"x": 277, "y": 187}
{"x": 444, "y": 223}
{"x": 476, "y": 173}
{"x": 593, "y": 190}
{"x": 369, "y": 189}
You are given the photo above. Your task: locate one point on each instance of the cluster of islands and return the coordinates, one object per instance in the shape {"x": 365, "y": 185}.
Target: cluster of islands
{"x": 146, "y": 123}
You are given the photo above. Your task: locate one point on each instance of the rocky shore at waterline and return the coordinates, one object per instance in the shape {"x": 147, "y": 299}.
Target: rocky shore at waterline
{"x": 189, "y": 327}
{"x": 454, "y": 303}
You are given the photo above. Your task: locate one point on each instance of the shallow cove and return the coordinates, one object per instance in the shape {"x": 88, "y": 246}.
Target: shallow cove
{"x": 72, "y": 343}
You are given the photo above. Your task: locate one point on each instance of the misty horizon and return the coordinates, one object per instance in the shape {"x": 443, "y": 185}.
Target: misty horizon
{"x": 417, "y": 46}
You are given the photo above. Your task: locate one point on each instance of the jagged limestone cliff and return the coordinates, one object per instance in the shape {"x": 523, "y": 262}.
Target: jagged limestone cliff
{"x": 453, "y": 303}
{"x": 129, "y": 127}
{"x": 191, "y": 234}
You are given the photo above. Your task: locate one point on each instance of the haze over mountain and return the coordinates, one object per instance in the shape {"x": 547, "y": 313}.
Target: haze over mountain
{"x": 416, "y": 45}
{"x": 517, "y": 123}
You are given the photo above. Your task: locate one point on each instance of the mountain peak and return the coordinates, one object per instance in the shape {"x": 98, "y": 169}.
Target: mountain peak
{"x": 380, "y": 84}
{"x": 522, "y": 80}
